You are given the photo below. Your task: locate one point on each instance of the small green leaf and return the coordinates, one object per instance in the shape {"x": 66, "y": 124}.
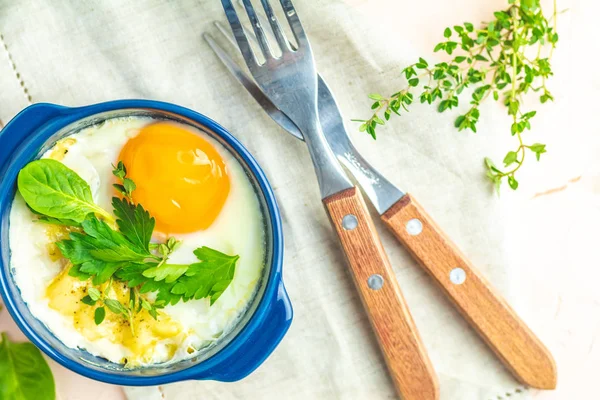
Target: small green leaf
{"x": 119, "y": 171}
{"x": 450, "y": 46}
{"x": 88, "y": 300}
{"x": 444, "y": 104}
{"x": 145, "y": 304}
{"x": 409, "y": 71}
{"x": 129, "y": 185}
{"x": 513, "y": 107}
{"x": 490, "y": 164}
{"x": 538, "y": 149}
{"x": 94, "y": 294}
{"x": 163, "y": 249}
{"x": 413, "y": 82}
{"x": 512, "y": 182}
{"x": 447, "y": 33}
{"x": 514, "y": 128}
{"x": 168, "y": 272}
{"x": 99, "y": 315}
{"x": 115, "y": 306}
{"x": 120, "y": 188}
{"x": 510, "y": 158}
{"x": 375, "y": 96}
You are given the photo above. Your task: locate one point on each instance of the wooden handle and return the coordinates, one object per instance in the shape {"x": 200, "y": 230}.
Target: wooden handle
{"x": 487, "y": 312}
{"x": 405, "y": 355}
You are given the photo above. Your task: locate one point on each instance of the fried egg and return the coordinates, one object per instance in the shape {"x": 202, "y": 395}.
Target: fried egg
{"x": 195, "y": 189}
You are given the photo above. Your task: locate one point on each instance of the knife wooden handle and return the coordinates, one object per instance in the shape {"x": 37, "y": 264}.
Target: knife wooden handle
{"x": 406, "y": 358}
{"x": 487, "y": 312}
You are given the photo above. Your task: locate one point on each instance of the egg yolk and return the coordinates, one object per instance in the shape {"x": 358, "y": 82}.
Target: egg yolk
{"x": 180, "y": 177}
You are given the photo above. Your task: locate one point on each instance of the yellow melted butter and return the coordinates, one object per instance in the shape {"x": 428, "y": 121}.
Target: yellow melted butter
{"x": 65, "y": 293}
{"x": 61, "y": 148}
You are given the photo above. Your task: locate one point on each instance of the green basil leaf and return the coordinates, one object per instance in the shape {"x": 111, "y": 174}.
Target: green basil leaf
{"x": 24, "y": 373}
{"x": 52, "y": 189}
{"x": 58, "y": 221}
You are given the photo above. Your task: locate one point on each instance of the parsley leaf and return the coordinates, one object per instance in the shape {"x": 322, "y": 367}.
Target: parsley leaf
{"x": 173, "y": 282}
{"x": 133, "y": 274}
{"x": 208, "y": 278}
{"x": 134, "y": 222}
{"x": 100, "y": 251}
{"x": 167, "y": 272}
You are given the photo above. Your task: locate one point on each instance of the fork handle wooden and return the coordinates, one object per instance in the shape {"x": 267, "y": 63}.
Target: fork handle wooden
{"x": 407, "y": 360}
{"x": 487, "y": 312}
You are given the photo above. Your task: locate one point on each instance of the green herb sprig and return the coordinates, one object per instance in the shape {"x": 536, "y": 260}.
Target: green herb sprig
{"x": 102, "y": 253}
{"x": 504, "y": 58}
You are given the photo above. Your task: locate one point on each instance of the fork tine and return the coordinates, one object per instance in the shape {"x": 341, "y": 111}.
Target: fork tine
{"x": 249, "y": 84}
{"x": 238, "y": 32}
{"x": 227, "y": 33}
{"x": 294, "y": 21}
{"x": 275, "y": 27}
{"x": 263, "y": 19}
{"x": 258, "y": 30}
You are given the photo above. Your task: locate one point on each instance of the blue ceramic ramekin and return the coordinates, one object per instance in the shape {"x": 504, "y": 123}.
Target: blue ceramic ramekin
{"x": 234, "y": 356}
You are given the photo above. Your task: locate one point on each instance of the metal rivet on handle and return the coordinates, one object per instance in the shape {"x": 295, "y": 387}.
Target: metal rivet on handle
{"x": 375, "y": 282}
{"x": 458, "y": 276}
{"x": 349, "y": 222}
{"x": 414, "y": 227}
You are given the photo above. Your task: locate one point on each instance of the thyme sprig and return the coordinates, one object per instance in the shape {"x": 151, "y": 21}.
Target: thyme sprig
{"x": 506, "y": 58}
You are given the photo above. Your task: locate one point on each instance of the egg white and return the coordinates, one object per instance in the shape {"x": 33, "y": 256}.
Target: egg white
{"x": 239, "y": 229}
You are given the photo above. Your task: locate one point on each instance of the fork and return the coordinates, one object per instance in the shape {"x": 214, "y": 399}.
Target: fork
{"x": 290, "y": 82}
{"x": 380, "y": 191}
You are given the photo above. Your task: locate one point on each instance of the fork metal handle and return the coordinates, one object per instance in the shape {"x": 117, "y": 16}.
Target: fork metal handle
{"x": 330, "y": 175}
{"x": 405, "y": 355}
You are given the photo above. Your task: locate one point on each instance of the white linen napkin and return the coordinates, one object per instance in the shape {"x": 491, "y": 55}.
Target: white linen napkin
{"x": 76, "y": 53}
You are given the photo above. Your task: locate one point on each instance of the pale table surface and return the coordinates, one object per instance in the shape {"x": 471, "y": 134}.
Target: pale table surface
{"x": 577, "y": 201}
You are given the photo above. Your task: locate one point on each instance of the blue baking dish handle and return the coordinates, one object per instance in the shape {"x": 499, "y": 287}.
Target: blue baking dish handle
{"x": 258, "y": 345}
{"x": 26, "y": 122}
